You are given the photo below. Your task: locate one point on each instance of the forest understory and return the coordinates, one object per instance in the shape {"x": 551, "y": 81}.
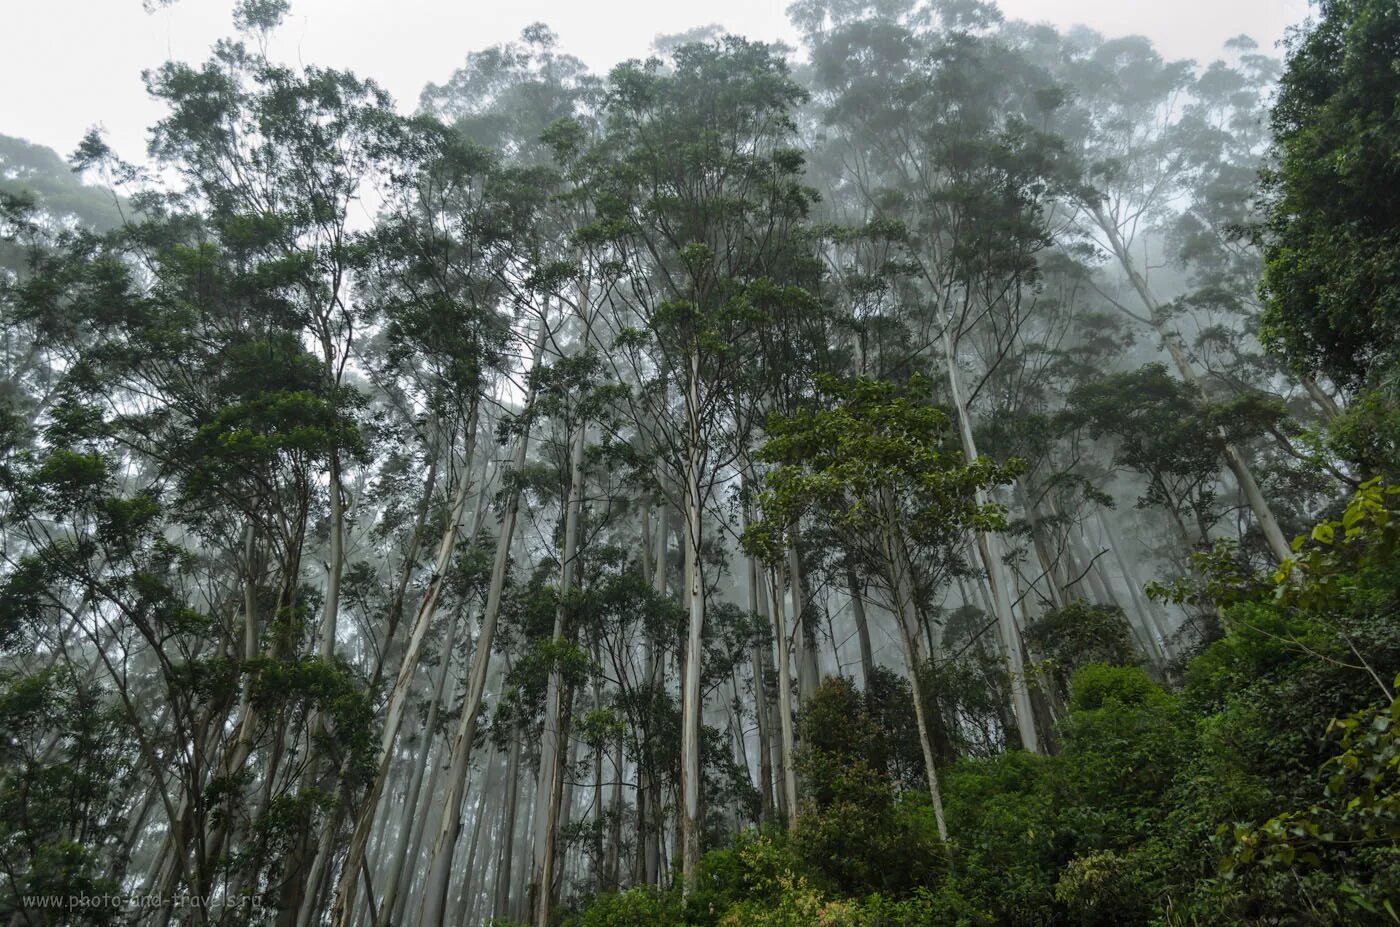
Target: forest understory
{"x": 943, "y": 474}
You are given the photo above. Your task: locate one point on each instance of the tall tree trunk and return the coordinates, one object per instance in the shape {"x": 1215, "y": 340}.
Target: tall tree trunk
{"x": 691, "y": 709}
{"x": 808, "y": 672}
{"x": 343, "y": 910}
{"x": 760, "y": 700}
{"x": 1278, "y": 544}
{"x": 389, "y": 895}
{"x": 789, "y": 770}
{"x": 614, "y": 867}
{"x": 648, "y": 785}
{"x": 867, "y": 653}
{"x": 989, "y": 548}
{"x": 500, "y": 907}
{"x": 1148, "y": 609}
{"x": 440, "y": 866}
{"x": 906, "y": 614}
{"x": 551, "y": 745}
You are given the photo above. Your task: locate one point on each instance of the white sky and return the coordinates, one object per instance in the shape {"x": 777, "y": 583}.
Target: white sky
{"x": 66, "y": 65}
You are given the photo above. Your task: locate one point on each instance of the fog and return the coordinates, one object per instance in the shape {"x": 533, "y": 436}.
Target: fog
{"x": 861, "y": 463}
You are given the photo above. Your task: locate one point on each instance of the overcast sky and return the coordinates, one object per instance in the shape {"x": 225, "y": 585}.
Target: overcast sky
{"x": 66, "y": 65}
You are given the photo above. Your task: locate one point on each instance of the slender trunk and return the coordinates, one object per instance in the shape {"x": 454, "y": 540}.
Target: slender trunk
{"x": 469, "y": 873}
{"x": 551, "y": 745}
{"x": 867, "y": 657}
{"x": 760, "y": 704}
{"x": 1278, "y": 544}
{"x": 343, "y": 910}
{"x": 388, "y": 900}
{"x": 334, "y": 569}
{"x": 906, "y": 614}
{"x": 440, "y": 866}
{"x": 648, "y": 785}
{"x": 808, "y": 673}
{"x": 691, "y": 709}
{"x": 990, "y": 551}
{"x": 1324, "y": 401}
{"x": 500, "y": 908}
{"x": 1145, "y": 606}
{"x": 785, "y": 698}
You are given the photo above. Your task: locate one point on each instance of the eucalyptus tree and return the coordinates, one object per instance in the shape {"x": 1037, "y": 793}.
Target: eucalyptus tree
{"x": 1329, "y": 234}
{"x": 443, "y": 329}
{"x": 702, "y": 196}
{"x": 185, "y": 361}
{"x": 936, "y": 124}
{"x": 1328, "y": 227}
{"x": 883, "y": 469}
{"x": 1136, "y": 140}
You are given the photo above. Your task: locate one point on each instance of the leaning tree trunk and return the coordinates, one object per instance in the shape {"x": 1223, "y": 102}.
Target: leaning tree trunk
{"x": 689, "y": 805}
{"x": 343, "y": 911}
{"x": 1278, "y": 544}
{"x": 551, "y": 744}
{"x": 440, "y": 867}
{"x": 388, "y": 899}
{"x": 901, "y": 585}
{"x": 989, "y": 549}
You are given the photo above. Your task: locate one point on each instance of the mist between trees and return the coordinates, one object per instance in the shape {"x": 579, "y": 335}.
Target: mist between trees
{"x": 851, "y": 485}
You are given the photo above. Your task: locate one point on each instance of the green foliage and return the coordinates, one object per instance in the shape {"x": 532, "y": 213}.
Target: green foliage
{"x": 637, "y": 907}
{"x": 1331, "y": 241}
{"x": 1237, "y": 800}
{"x": 856, "y": 838}
{"x": 1080, "y": 633}
{"x": 872, "y": 446}
{"x": 1346, "y": 847}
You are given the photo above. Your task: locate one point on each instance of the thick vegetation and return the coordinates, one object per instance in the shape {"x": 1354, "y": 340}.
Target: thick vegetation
{"x": 945, "y": 475}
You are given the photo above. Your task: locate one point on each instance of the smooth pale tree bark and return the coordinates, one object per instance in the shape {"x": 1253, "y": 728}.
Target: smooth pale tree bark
{"x": 469, "y": 873}
{"x": 1278, "y": 544}
{"x": 691, "y": 709}
{"x": 440, "y": 866}
{"x": 343, "y": 910}
{"x": 760, "y": 699}
{"x": 899, "y": 565}
{"x": 420, "y": 826}
{"x": 867, "y": 653}
{"x": 1321, "y": 398}
{"x": 551, "y": 744}
{"x": 389, "y": 894}
{"x": 989, "y": 549}
{"x": 774, "y": 748}
{"x": 335, "y": 568}
{"x": 786, "y": 739}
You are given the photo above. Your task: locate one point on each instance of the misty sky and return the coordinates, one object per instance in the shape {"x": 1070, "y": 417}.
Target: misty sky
{"x": 66, "y": 65}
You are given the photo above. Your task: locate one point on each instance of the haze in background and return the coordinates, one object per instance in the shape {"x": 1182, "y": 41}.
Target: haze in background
{"x": 67, "y": 65}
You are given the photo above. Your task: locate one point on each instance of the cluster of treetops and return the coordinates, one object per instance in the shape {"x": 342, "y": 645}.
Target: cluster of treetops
{"x": 939, "y": 475}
